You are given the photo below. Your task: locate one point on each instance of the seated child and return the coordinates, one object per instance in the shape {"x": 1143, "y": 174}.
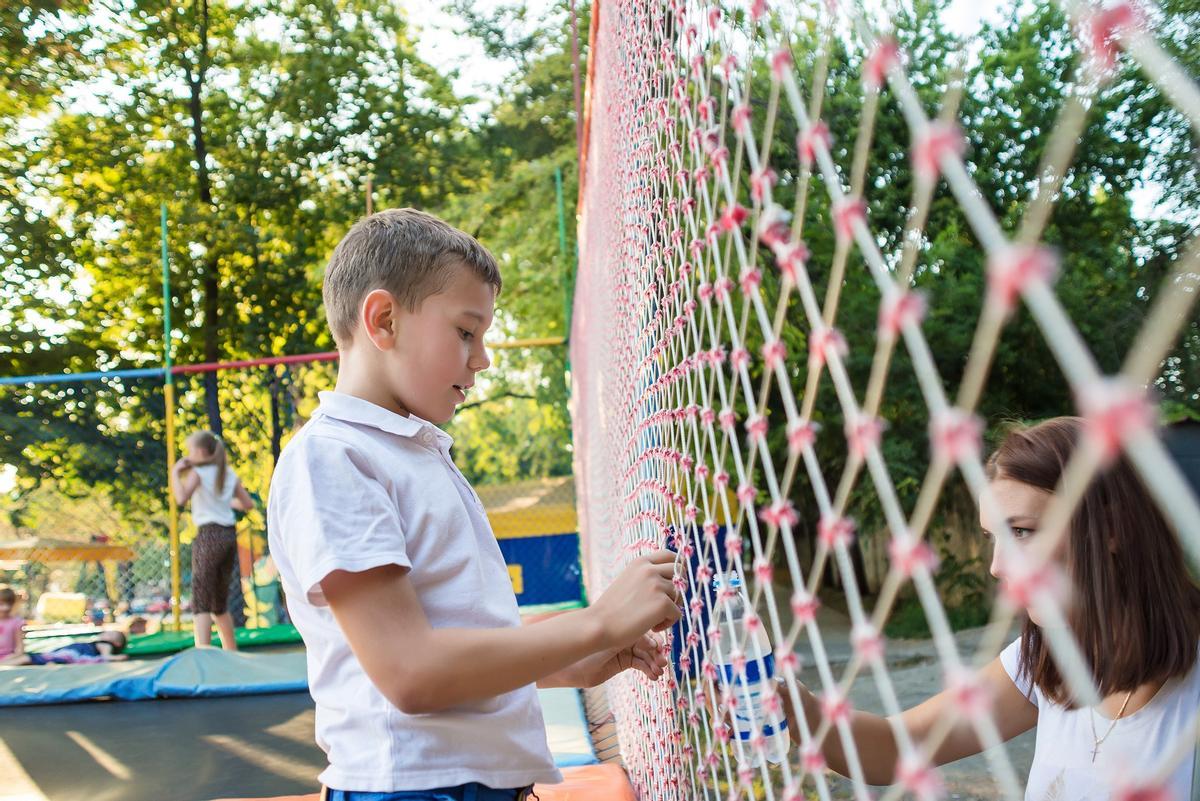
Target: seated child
{"x": 12, "y": 627}
{"x": 423, "y": 676}
{"x": 107, "y": 647}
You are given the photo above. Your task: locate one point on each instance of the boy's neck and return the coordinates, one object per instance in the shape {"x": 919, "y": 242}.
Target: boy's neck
{"x": 360, "y": 379}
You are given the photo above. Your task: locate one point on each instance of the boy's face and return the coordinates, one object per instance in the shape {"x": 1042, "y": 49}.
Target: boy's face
{"x": 438, "y": 349}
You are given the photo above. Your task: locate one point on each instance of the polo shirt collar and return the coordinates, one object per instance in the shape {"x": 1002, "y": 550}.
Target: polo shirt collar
{"x": 351, "y": 409}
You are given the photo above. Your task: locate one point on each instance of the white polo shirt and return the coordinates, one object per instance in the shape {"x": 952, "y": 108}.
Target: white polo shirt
{"x": 359, "y": 487}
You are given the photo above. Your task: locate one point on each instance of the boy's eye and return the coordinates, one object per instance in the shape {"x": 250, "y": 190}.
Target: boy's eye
{"x": 467, "y": 335}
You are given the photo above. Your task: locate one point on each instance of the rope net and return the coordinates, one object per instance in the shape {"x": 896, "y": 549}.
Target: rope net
{"x": 720, "y": 411}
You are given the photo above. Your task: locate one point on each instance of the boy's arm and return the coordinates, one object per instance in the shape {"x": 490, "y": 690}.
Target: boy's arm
{"x": 421, "y": 669}
{"x": 645, "y": 655}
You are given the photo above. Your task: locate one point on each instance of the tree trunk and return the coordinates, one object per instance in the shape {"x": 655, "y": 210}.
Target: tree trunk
{"x": 211, "y": 279}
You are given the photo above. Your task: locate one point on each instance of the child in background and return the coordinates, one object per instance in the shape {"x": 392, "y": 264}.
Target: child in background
{"x": 205, "y": 478}
{"x": 422, "y": 673}
{"x": 105, "y": 648}
{"x": 12, "y": 628}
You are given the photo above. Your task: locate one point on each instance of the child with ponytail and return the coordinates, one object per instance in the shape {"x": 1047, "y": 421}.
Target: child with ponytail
{"x": 205, "y": 478}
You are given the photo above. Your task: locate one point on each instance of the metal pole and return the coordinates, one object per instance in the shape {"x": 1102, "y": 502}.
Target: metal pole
{"x": 169, "y": 394}
{"x": 562, "y": 250}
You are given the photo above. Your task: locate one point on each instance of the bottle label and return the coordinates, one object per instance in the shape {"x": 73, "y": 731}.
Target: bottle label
{"x": 752, "y": 674}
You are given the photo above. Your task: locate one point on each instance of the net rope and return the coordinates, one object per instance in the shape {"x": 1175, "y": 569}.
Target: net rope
{"x": 678, "y": 225}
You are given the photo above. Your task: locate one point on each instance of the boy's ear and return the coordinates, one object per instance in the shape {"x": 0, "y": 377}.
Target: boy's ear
{"x": 378, "y": 318}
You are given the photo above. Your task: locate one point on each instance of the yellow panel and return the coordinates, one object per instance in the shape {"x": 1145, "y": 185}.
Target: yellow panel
{"x": 535, "y": 521}
{"x": 517, "y": 578}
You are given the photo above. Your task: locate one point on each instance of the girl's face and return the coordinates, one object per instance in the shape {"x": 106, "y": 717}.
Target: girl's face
{"x": 6, "y": 609}
{"x": 1022, "y": 506}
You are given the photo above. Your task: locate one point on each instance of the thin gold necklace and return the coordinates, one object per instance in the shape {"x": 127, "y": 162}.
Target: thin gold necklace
{"x": 1113, "y": 725}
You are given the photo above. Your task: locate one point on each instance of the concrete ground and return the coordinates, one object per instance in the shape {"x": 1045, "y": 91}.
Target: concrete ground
{"x": 915, "y": 673}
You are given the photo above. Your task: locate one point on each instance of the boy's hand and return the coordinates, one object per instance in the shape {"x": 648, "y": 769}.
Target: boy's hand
{"x": 643, "y": 598}
{"x": 645, "y": 655}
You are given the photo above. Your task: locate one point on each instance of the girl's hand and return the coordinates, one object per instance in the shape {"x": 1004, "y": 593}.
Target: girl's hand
{"x": 645, "y": 655}
{"x": 184, "y": 463}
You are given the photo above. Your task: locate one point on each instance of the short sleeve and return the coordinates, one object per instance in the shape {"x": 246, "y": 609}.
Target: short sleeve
{"x": 1010, "y": 658}
{"x": 330, "y": 510}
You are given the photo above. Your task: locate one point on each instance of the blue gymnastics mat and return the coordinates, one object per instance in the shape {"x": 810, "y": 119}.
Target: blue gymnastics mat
{"x": 213, "y": 673}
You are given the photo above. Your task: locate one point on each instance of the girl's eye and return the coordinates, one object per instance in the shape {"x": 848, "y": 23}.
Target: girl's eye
{"x": 1021, "y": 533}
{"x": 467, "y": 335}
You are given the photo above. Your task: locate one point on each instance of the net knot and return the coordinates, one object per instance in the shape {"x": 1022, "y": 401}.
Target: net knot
{"x": 801, "y": 435}
{"x": 812, "y": 137}
{"x": 781, "y": 62}
{"x": 1013, "y": 269}
{"x": 1103, "y": 29}
{"x": 761, "y": 182}
{"x": 756, "y": 427}
{"x": 835, "y": 707}
{"x": 774, "y": 352}
{"x": 779, "y": 513}
{"x": 804, "y": 606}
{"x": 898, "y": 310}
{"x": 848, "y": 212}
{"x": 823, "y": 342}
{"x": 1113, "y": 413}
{"x": 867, "y": 641}
{"x": 880, "y": 62}
{"x": 919, "y": 778}
{"x": 971, "y": 696}
{"x": 956, "y": 435}
{"x": 740, "y": 119}
{"x": 938, "y": 140}
{"x": 834, "y": 530}
{"x": 811, "y": 759}
{"x": 863, "y": 435}
{"x": 750, "y": 279}
{"x": 909, "y": 554}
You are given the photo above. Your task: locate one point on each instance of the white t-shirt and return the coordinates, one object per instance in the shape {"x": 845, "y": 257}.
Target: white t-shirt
{"x": 359, "y": 487}
{"x": 210, "y": 503}
{"x": 1062, "y": 768}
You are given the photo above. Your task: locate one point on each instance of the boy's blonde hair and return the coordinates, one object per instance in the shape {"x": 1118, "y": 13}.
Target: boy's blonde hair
{"x": 407, "y": 252}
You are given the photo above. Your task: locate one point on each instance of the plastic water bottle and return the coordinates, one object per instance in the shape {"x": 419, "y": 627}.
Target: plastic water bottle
{"x": 773, "y": 727}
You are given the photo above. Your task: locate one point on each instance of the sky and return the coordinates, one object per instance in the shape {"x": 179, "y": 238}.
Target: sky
{"x": 440, "y": 43}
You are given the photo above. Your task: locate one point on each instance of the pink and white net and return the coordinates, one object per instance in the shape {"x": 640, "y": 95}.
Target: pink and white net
{"x": 678, "y": 225}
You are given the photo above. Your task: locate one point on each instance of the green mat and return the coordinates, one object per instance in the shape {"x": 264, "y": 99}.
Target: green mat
{"x": 168, "y": 642}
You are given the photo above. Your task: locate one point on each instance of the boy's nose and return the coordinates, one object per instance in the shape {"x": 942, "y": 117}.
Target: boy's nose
{"x": 480, "y": 361}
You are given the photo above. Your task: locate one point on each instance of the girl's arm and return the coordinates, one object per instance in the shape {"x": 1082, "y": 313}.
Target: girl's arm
{"x": 241, "y": 499}
{"x": 19, "y": 641}
{"x": 186, "y": 480}
{"x": 876, "y": 743}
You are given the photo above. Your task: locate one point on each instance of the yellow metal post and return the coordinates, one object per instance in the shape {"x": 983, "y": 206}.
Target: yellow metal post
{"x": 176, "y": 571}
{"x": 169, "y": 396}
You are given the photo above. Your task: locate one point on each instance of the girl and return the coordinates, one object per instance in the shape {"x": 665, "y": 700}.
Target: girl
{"x": 12, "y": 638}
{"x": 1135, "y": 615}
{"x": 205, "y": 478}
{"x": 107, "y": 647}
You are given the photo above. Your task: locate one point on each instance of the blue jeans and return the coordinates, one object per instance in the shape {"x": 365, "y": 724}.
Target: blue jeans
{"x": 464, "y": 792}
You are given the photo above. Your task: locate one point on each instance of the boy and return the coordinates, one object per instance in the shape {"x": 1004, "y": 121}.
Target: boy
{"x": 422, "y": 675}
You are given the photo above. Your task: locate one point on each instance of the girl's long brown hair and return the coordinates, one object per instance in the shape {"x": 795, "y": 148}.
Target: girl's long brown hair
{"x": 216, "y": 449}
{"x": 1136, "y": 610}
